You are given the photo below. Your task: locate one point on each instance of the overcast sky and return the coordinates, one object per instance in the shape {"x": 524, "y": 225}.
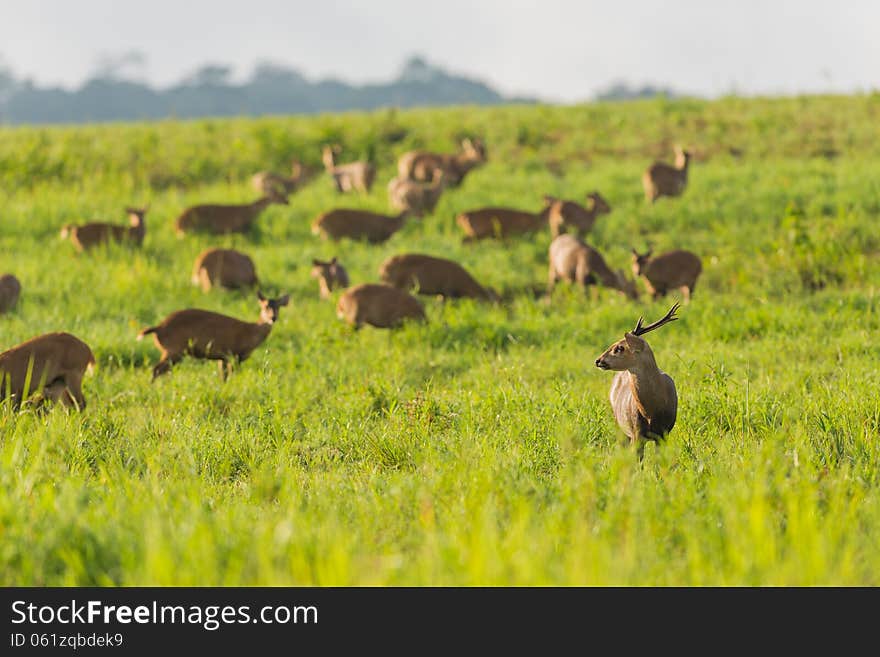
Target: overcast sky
{"x": 557, "y": 50}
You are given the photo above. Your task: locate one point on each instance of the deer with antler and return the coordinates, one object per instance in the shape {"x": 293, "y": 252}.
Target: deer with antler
{"x": 643, "y": 397}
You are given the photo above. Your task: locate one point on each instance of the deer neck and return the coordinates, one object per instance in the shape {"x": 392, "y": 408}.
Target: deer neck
{"x": 648, "y": 385}
{"x": 261, "y": 331}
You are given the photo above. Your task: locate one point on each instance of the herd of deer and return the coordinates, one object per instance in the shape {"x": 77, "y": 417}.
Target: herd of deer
{"x": 643, "y": 398}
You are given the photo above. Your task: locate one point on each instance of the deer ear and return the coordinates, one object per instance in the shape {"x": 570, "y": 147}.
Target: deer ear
{"x": 283, "y": 301}
{"x": 635, "y": 253}
{"x": 333, "y": 260}
{"x": 260, "y": 295}
{"x": 634, "y": 342}
{"x": 316, "y": 262}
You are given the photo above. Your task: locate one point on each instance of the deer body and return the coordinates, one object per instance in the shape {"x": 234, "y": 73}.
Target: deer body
{"x": 429, "y": 275}
{"x": 357, "y": 224}
{"x": 330, "y": 275}
{"x": 57, "y": 363}
{"x": 661, "y": 179}
{"x": 566, "y": 215}
{"x": 574, "y": 261}
{"x": 677, "y": 269}
{"x": 87, "y": 236}
{"x": 643, "y": 397}
{"x": 224, "y": 267}
{"x": 381, "y": 306}
{"x": 223, "y": 219}
{"x": 422, "y": 165}
{"x": 495, "y": 222}
{"x": 353, "y": 176}
{"x": 211, "y": 336}
{"x": 416, "y": 197}
{"x": 10, "y": 289}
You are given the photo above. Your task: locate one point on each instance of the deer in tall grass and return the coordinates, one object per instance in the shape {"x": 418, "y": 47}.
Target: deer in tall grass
{"x": 358, "y": 224}
{"x": 417, "y": 197}
{"x": 90, "y": 235}
{"x": 223, "y": 219}
{"x": 677, "y": 269}
{"x": 349, "y": 177}
{"x": 211, "y": 336}
{"x": 661, "y": 179}
{"x": 431, "y": 275}
{"x": 576, "y": 262}
{"x": 10, "y": 289}
{"x": 499, "y": 223}
{"x": 565, "y": 215}
{"x": 268, "y": 183}
{"x": 330, "y": 274}
{"x": 421, "y": 165}
{"x": 225, "y": 268}
{"x": 52, "y": 365}
{"x": 381, "y": 306}
{"x": 643, "y": 397}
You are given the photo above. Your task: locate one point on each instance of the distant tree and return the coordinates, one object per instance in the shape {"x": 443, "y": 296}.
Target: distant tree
{"x": 209, "y": 75}
{"x": 622, "y": 90}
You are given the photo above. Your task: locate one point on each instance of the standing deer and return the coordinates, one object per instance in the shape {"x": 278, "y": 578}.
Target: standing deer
{"x": 421, "y": 165}
{"x": 574, "y": 261}
{"x": 643, "y": 397}
{"x": 496, "y": 222}
{"x": 268, "y": 183}
{"x": 52, "y": 364}
{"x": 330, "y": 275}
{"x": 92, "y": 234}
{"x": 568, "y": 214}
{"x": 350, "y": 176}
{"x": 668, "y": 271}
{"x": 211, "y": 336}
{"x": 661, "y": 179}
{"x": 223, "y": 219}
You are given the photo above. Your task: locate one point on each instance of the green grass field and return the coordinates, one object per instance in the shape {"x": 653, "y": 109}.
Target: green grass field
{"x": 479, "y": 448}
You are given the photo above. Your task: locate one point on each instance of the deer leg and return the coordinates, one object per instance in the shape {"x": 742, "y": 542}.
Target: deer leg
{"x": 74, "y": 390}
{"x": 686, "y": 293}
{"x": 551, "y": 279}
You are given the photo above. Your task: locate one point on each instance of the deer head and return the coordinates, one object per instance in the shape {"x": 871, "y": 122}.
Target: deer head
{"x": 628, "y": 353}
{"x": 269, "y": 308}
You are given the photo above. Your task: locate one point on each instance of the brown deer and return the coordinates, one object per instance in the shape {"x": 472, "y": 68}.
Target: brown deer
{"x": 92, "y": 234}
{"x": 429, "y": 275}
{"x": 52, "y": 365}
{"x": 269, "y": 183}
{"x": 498, "y": 223}
{"x": 211, "y": 336}
{"x": 357, "y": 225}
{"x": 225, "y": 268}
{"x": 224, "y": 219}
{"x": 417, "y": 197}
{"x": 668, "y": 271}
{"x": 568, "y": 214}
{"x": 574, "y": 261}
{"x": 10, "y": 289}
{"x": 661, "y": 179}
{"x": 381, "y": 306}
{"x": 421, "y": 165}
{"x": 330, "y": 275}
{"x": 643, "y": 397}
{"x": 349, "y": 177}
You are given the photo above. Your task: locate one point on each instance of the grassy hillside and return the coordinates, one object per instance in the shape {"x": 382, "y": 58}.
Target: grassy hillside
{"x": 479, "y": 448}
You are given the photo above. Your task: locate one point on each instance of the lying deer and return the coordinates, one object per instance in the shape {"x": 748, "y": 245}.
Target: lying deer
{"x": 502, "y": 222}
{"x": 269, "y": 183}
{"x": 330, "y": 275}
{"x": 224, "y": 219}
{"x": 429, "y": 275}
{"x": 211, "y": 336}
{"x": 52, "y": 365}
{"x": 643, "y": 397}
{"x": 574, "y": 261}
{"x": 381, "y": 306}
{"x": 668, "y": 271}
{"x": 357, "y": 225}
{"x": 422, "y": 165}
{"x": 661, "y": 179}
{"x": 10, "y": 289}
{"x": 224, "y": 267}
{"x": 416, "y": 197}
{"x": 353, "y": 176}
{"x": 90, "y": 235}
{"x": 566, "y": 215}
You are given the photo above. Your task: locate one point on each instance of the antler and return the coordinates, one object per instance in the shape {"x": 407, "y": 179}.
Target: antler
{"x": 668, "y": 317}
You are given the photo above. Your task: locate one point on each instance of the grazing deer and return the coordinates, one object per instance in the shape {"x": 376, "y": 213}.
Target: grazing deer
{"x": 224, "y": 267}
{"x": 211, "y": 336}
{"x": 10, "y": 289}
{"x": 421, "y": 165}
{"x": 90, "y": 235}
{"x": 429, "y": 275}
{"x": 224, "y": 219}
{"x": 352, "y": 176}
{"x": 643, "y": 397}
{"x": 574, "y": 261}
{"x": 357, "y": 225}
{"x": 668, "y": 271}
{"x": 381, "y": 306}
{"x": 52, "y": 364}
{"x": 568, "y": 214}
{"x": 661, "y": 179}
{"x": 417, "y": 197}
{"x": 330, "y": 275}
{"x": 492, "y": 222}
{"x": 269, "y": 183}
